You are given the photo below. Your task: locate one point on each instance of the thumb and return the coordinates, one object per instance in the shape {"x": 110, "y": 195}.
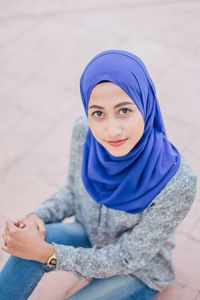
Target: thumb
{"x": 27, "y": 222}
{"x": 19, "y": 223}
{"x": 42, "y": 228}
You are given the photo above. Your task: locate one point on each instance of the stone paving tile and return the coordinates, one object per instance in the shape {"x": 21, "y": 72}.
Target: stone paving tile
{"x": 195, "y": 146}
{"x": 175, "y": 132}
{"x": 44, "y": 101}
{"x": 194, "y": 161}
{"x": 178, "y": 99}
{"x": 19, "y": 194}
{"x": 27, "y": 130}
{"x": 52, "y": 163}
{"x": 22, "y": 64}
{"x": 10, "y": 116}
{"x": 40, "y": 168}
{"x": 7, "y": 84}
{"x": 198, "y": 297}
{"x": 195, "y": 231}
{"x": 190, "y": 224}
{"x": 12, "y": 149}
{"x": 187, "y": 261}
{"x": 177, "y": 291}
{"x": 186, "y": 284}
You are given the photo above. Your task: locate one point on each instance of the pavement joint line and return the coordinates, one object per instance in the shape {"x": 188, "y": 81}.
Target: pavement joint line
{"x": 16, "y": 123}
{"x": 196, "y": 155}
{"x": 22, "y": 34}
{"x": 52, "y": 182}
{"x": 30, "y": 148}
{"x": 24, "y": 153}
{"x": 189, "y": 142}
{"x": 188, "y": 236}
{"x": 195, "y": 224}
{"x": 197, "y": 297}
{"x": 119, "y": 5}
{"x": 181, "y": 121}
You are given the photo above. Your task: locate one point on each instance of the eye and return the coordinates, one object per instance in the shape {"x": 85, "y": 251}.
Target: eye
{"x": 98, "y": 112}
{"x": 126, "y": 110}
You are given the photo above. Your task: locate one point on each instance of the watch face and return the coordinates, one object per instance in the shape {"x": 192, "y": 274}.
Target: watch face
{"x": 53, "y": 262}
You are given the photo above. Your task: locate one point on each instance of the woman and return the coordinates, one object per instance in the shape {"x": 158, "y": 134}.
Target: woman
{"x": 128, "y": 187}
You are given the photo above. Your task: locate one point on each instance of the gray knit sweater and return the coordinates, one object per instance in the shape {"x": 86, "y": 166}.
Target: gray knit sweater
{"x": 122, "y": 243}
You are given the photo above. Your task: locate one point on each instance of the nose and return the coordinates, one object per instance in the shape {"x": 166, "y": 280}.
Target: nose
{"x": 113, "y": 129}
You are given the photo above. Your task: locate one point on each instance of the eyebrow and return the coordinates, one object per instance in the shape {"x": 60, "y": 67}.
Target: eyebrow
{"x": 117, "y": 105}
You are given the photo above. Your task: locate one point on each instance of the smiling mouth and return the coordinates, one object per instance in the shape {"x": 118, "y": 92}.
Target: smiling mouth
{"x": 116, "y": 143}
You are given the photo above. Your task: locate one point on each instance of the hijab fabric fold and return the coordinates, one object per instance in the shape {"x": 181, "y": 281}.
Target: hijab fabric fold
{"x": 129, "y": 182}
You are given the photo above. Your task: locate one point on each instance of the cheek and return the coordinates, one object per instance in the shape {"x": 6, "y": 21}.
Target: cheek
{"x": 96, "y": 131}
{"x": 136, "y": 127}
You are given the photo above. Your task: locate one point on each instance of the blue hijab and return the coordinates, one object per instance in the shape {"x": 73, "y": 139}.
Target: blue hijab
{"x": 129, "y": 182}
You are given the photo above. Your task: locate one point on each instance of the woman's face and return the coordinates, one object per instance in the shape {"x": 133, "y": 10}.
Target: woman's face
{"x": 113, "y": 116}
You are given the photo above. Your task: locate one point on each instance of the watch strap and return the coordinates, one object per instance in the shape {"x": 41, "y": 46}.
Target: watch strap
{"x": 52, "y": 260}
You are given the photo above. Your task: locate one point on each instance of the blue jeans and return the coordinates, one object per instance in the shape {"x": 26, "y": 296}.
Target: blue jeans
{"x": 19, "y": 277}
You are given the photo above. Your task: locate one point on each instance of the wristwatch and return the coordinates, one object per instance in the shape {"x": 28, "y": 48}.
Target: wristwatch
{"x": 52, "y": 261}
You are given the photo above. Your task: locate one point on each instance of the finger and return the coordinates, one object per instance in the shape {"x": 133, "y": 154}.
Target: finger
{"x": 10, "y": 226}
{"x": 43, "y": 233}
{"x": 17, "y": 220}
{"x": 28, "y": 222}
{"x": 42, "y": 229}
{"x": 6, "y": 232}
{"x": 4, "y": 236}
{"x": 11, "y": 229}
{"x": 10, "y": 223}
{"x": 43, "y": 236}
{"x": 19, "y": 223}
{"x": 6, "y": 224}
{"x": 4, "y": 239}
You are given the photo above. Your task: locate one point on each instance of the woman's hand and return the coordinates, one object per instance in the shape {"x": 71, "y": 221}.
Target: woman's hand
{"x": 38, "y": 221}
{"x": 25, "y": 242}
{"x": 35, "y": 219}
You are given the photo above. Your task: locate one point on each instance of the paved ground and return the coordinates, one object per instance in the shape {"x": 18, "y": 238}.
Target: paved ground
{"x": 44, "y": 46}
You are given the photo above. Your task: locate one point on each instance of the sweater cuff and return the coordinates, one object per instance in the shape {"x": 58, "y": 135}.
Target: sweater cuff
{"x": 64, "y": 254}
{"x": 42, "y": 213}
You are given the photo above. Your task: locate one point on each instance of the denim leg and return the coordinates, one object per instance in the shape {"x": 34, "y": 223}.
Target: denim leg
{"x": 119, "y": 287}
{"x": 19, "y": 277}
{"x": 73, "y": 234}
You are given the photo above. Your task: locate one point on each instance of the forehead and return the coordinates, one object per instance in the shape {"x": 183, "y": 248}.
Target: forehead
{"x": 107, "y": 89}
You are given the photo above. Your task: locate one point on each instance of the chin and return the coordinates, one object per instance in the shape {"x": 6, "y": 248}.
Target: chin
{"x": 118, "y": 153}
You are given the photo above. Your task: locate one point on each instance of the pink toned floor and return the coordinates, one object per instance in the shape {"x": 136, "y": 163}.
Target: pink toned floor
{"x": 44, "y": 47}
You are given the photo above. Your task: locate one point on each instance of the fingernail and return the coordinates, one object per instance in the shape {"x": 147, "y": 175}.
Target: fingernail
{"x": 21, "y": 225}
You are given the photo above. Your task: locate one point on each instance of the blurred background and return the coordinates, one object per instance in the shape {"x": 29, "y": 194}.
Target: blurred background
{"x": 44, "y": 46}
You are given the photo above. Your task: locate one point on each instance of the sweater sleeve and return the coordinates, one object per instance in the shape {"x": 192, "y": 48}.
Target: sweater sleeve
{"x": 137, "y": 246}
{"x": 61, "y": 204}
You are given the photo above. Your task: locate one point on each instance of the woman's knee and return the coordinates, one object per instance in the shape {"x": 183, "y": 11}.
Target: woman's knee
{"x": 69, "y": 234}
{"x": 60, "y": 233}
{"x": 51, "y": 232}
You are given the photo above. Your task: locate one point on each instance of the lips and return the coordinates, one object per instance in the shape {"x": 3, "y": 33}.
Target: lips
{"x": 116, "y": 143}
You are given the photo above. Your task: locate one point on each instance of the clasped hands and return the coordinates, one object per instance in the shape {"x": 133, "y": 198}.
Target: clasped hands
{"x": 25, "y": 238}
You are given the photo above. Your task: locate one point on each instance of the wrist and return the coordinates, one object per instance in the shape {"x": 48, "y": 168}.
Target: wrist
{"x": 46, "y": 251}
{"x": 32, "y": 214}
